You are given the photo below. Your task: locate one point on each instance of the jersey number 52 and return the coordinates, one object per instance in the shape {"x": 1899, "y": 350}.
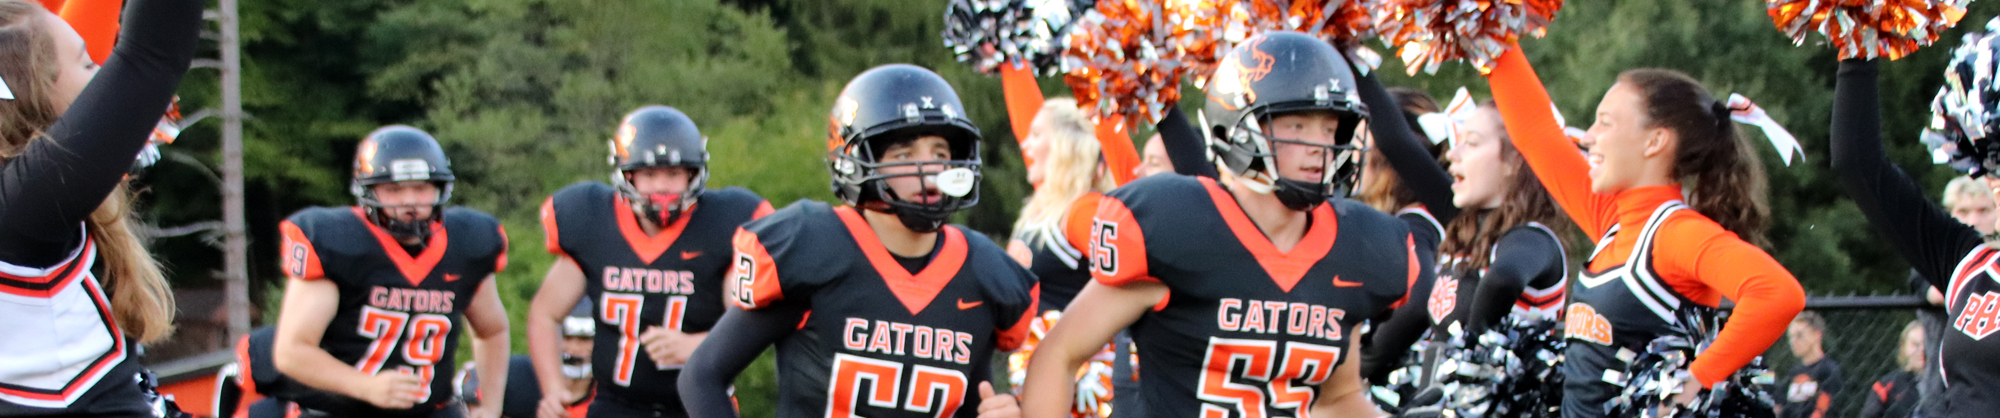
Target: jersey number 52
{"x": 932, "y": 390}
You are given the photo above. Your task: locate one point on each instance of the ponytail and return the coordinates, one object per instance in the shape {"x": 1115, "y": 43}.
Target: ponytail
{"x": 1720, "y": 172}
{"x": 141, "y": 300}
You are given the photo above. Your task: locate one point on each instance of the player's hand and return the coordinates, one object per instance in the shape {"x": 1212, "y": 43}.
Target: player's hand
{"x": 1689, "y": 391}
{"x": 997, "y": 406}
{"x": 554, "y": 404}
{"x": 484, "y": 411}
{"x": 668, "y": 347}
{"x": 392, "y": 390}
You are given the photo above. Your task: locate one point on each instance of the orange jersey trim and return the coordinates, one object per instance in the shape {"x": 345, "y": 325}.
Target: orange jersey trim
{"x": 301, "y": 260}
{"x": 413, "y": 269}
{"x": 915, "y": 291}
{"x": 551, "y": 238}
{"x": 648, "y": 248}
{"x": 763, "y": 208}
{"x": 1012, "y": 338}
{"x": 1286, "y": 268}
{"x": 754, "y": 275}
{"x": 1076, "y": 223}
{"x": 1117, "y": 246}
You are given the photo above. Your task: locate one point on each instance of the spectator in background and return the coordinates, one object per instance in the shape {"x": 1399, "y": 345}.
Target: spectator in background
{"x": 1972, "y": 203}
{"x": 1895, "y": 394}
{"x": 1153, "y": 160}
{"x": 1815, "y": 381}
{"x": 524, "y": 391}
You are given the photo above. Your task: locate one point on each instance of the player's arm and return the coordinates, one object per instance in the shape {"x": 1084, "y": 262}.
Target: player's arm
{"x": 490, "y": 345}
{"x": 1051, "y": 385}
{"x": 739, "y": 337}
{"x": 308, "y": 307}
{"x": 561, "y": 288}
{"x": 1346, "y": 395}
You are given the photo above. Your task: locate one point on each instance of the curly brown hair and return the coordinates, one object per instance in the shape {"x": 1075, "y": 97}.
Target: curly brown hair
{"x": 1474, "y": 232}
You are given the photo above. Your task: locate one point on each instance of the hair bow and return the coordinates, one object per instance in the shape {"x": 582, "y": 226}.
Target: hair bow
{"x": 1444, "y": 126}
{"x": 1742, "y": 110}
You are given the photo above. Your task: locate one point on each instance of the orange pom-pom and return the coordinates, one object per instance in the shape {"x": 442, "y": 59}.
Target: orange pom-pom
{"x": 1344, "y": 23}
{"x": 1867, "y": 28}
{"x": 1127, "y": 58}
{"x": 1432, "y": 32}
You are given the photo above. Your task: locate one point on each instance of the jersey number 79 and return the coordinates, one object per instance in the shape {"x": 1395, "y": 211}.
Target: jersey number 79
{"x": 423, "y": 345}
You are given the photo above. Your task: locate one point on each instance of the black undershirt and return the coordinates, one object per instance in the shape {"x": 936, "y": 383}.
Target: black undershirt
{"x": 916, "y": 264}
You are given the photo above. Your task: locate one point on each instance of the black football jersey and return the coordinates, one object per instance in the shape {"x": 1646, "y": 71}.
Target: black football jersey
{"x": 398, "y": 312}
{"x": 672, "y": 279}
{"x": 879, "y": 341}
{"x": 1246, "y": 330}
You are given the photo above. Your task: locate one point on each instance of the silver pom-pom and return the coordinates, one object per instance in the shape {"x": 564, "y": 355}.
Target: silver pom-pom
{"x": 990, "y": 33}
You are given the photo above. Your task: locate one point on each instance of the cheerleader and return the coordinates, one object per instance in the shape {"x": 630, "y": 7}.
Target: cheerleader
{"x": 69, "y": 132}
{"x": 1951, "y": 255}
{"x": 1675, "y": 201}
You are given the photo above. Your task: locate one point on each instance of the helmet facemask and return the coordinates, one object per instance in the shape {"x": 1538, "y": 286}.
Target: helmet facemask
{"x": 1251, "y": 153}
{"x": 381, "y": 214}
{"x": 661, "y": 209}
{"x": 948, "y": 185}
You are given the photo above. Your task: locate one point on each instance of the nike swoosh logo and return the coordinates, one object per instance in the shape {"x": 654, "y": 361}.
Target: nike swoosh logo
{"x": 690, "y": 255}
{"x": 1337, "y": 282}
{"x": 448, "y": 277}
{"x": 962, "y": 305}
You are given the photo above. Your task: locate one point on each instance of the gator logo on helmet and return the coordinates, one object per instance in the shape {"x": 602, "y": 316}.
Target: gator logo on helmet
{"x": 842, "y": 117}
{"x": 1233, "y": 77}
{"x": 625, "y": 133}
{"x": 363, "y": 156}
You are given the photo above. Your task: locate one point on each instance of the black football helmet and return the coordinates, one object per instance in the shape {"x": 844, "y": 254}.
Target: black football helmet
{"x": 399, "y": 153}
{"x": 581, "y": 323}
{"x": 894, "y": 103}
{"x": 659, "y": 136}
{"x": 1275, "y": 73}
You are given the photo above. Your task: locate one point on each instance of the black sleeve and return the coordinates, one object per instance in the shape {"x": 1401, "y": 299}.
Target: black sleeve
{"x": 1521, "y": 257}
{"x": 1391, "y": 339}
{"x": 1930, "y": 239}
{"x": 1185, "y": 145}
{"x": 1918, "y": 284}
{"x": 1414, "y": 165}
{"x": 54, "y": 184}
{"x": 735, "y": 341}
{"x": 1424, "y": 239}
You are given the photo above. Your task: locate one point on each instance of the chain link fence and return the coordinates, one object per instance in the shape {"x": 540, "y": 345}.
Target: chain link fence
{"x": 1863, "y": 337}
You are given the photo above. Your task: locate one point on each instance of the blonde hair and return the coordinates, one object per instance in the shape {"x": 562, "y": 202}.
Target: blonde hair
{"x": 1070, "y": 169}
{"x": 1903, "y": 359}
{"x": 1964, "y": 187}
{"x": 142, "y": 303}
